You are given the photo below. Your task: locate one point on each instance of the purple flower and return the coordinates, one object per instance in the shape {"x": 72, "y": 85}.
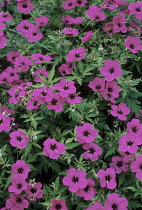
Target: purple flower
{"x": 97, "y": 84}
{"x": 42, "y": 21}
{"x": 86, "y": 133}
{"x": 69, "y": 4}
{"x": 93, "y": 151}
{"x": 118, "y": 164}
{"x": 20, "y": 168}
{"x": 133, "y": 44}
{"x": 66, "y": 69}
{"x": 5, "y": 17}
{"x": 41, "y": 72}
{"x": 87, "y": 37}
{"x": 24, "y": 27}
{"x": 119, "y": 24}
{"x": 95, "y": 206}
{"x": 134, "y": 127}
{"x": 95, "y": 13}
{"x": 81, "y": 3}
{"x": 39, "y": 58}
{"x": 120, "y": 111}
{"x": 78, "y": 54}
{"x": 88, "y": 192}
{"x": 136, "y": 9}
{"x": 11, "y": 56}
{"x": 4, "y": 122}
{"x": 111, "y": 70}
{"x": 108, "y": 28}
{"x": 107, "y": 178}
{"x": 75, "y": 180}
{"x": 54, "y": 101}
{"x": 65, "y": 87}
{"x": 16, "y": 202}
{"x": 70, "y": 31}
{"x": 34, "y": 191}
{"x": 18, "y": 185}
{"x": 53, "y": 149}
{"x": 73, "y": 99}
{"x": 34, "y": 34}
{"x": 23, "y": 63}
{"x": 18, "y": 139}
{"x": 115, "y": 202}
{"x": 136, "y": 166}
{"x": 24, "y": 6}
{"x": 58, "y": 205}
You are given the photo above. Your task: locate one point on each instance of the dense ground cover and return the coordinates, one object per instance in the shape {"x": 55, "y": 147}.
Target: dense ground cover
{"x": 70, "y": 104}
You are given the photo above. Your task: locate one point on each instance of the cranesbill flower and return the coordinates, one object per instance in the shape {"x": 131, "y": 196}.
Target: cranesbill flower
{"x": 16, "y": 202}
{"x": 4, "y": 122}
{"x": 111, "y": 70}
{"x": 18, "y": 139}
{"x": 34, "y": 191}
{"x": 24, "y": 27}
{"x": 88, "y": 192}
{"x": 65, "y": 87}
{"x": 87, "y": 37}
{"x": 133, "y": 44}
{"x": 93, "y": 151}
{"x": 75, "y": 179}
{"x": 108, "y": 28}
{"x": 34, "y": 34}
{"x": 24, "y": 6}
{"x": 70, "y": 31}
{"x": 97, "y": 84}
{"x": 134, "y": 127}
{"x": 18, "y": 185}
{"x": 69, "y": 4}
{"x": 11, "y": 56}
{"x": 95, "y": 206}
{"x": 119, "y": 24}
{"x": 107, "y": 178}
{"x": 78, "y": 20}
{"x": 2, "y": 26}
{"x": 73, "y": 99}
{"x": 42, "y": 21}
{"x": 23, "y": 63}
{"x": 78, "y": 54}
{"x": 58, "y": 205}
{"x": 68, "y": 19}
{"x": 86, "y": 133}
{"x": 54, "y": 101}
{"x": 80, "y": 3}
{"x": 95, "y": 13}
{"x": 39, "y": 58}
{"x": 115, "y": 202}
{"x": 136, "y": 166}
{"x": 66, "y": 69}
{"x": 41, "y": 72}
{"x": 20, "y": 168}
{"x": 5, "y": 17}
{"x": 136, "y": 9}
{"x": 12, "y": 74}
{"x": 120, "y": 111}
{"x": 3, "y": 40}
{"x": 118, "y": 164}
{"x": 53, "y": 149}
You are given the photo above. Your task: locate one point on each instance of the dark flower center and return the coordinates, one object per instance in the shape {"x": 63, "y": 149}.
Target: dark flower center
{"x": 127, "y": 153}
{"x": 58, "y": 206}
{"x": 26, "y": 27}
{"x": 19, "y": 186}
{"x": 13, "y": 58}
{"x": 23, "y": 63}
{"x": 34, "y": 103}
{"x": 33, "y": 190}
{"x": 132, "y": 46}
{"x": 54, "y": 101}
{"x": 43, "y": 93}
{"x": 35, "y": 33}
{"x": 111, "y": 70}
{"x": 86, "y": 189}
{"x": 115, "y": 206}
{"x": 129, "y": 143}
{"x": 66, "y": 87}
{"x": 75, "y": 179}
{"x": 107, "y": 178}
{"x": 109, "y": 30}
{"x": 119, "y": 164}
{"x": 18, "y": 200}
{"x": 97, "y": 17}
{"x": 91, "y": 150}
{"x": 77, "y": 55}
{"x": 41, "y": 58}
{"x": 109, "y": 95}
{"x": 119, "y": 24}
{"x": 79, "y": 2}
{"x": 134, "y": 129}
{"x": 70, "y": 4}
{"x": 72, "y": 96}
{"x": 19, "y": 138}
{"x": 53, "y": 146}
{"x": 1, "y": 121}
{"x": 11, "y": 74}
{"x": 5, "y": 15}
{"x": 138, "y": 9}
{"x": 119, "y": 112}
{"x": 86, "y": 133}
{"x": 98, "y": 87}
{"x": 25, "y": 5}
{"x": 110, "y": 89}
{"x": 141, "y": 166}
{"x": 63, "y": 72}
{"x": 20, "y": 170}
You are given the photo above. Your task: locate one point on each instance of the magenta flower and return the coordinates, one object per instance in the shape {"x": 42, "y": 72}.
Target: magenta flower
{"x": 41, "y": 72}
{"x": 81, "y": 3}
{"x": 24, "y": 6}
{"x": 120, "y": 111}
{"x": 93, "y": 151}
{"x": 115, "y": 202}
{"x": 20, "y": 168}
{"x": 54, "y": 101}
{"x": 111, "y": 70}
{"x": 133, "y": 44}
{"x": 34, "y": 191}
{"x": 4, "y": 122}
{"x": 3, "y": 40}
{"x": 134, "y": 127}
{"x": 136, "y": 9}
{"x": 68, "y": 19}
{"x": 88, "y": 192}
{"x": 17, "y": 202}
{"x": 24, "y": 27}
{"x": 95, "y": 206}
{"x": 87, "y": 37}
{"x": 136, "y": 166}
{"x": 18, "y": 139}
{"x": 18, "y": 185}
{"x": 5, "y": 17}
{"x": 42, "y": 21}
{"x": 118, "y": 164}
{"x": 78, "y": 20}
{"x": 73, "y": 99}
{"x": 65, "y": 87}
{"x": 78, "y": 54}
{"x": 69, "y": 4}
{"x": 86, "y": 133}
{"x": 129, "y": 143}
{"x": 95, "y": 13}
{"x": 58, "y": 205}
{"x": 11, "y": 56}
{"x": 2, "y": 26}
{"x": 70, "y": 31}
{"x": 107, "y": 178}
{"x": 75, "y": 179}
{"x": 53, "y": 149}
{"x": 23, "y": 63}
{"x": 34, "y": 102}
{"x": 34, "y": 34}
{"x": 39, "y": 58}
{"x": 12, "y": 74}
{"x": 119, "y": 24}
{"x": 108, "y": 28}
{"x": 66, "y": 69}
{"x": 97, "y": 84}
